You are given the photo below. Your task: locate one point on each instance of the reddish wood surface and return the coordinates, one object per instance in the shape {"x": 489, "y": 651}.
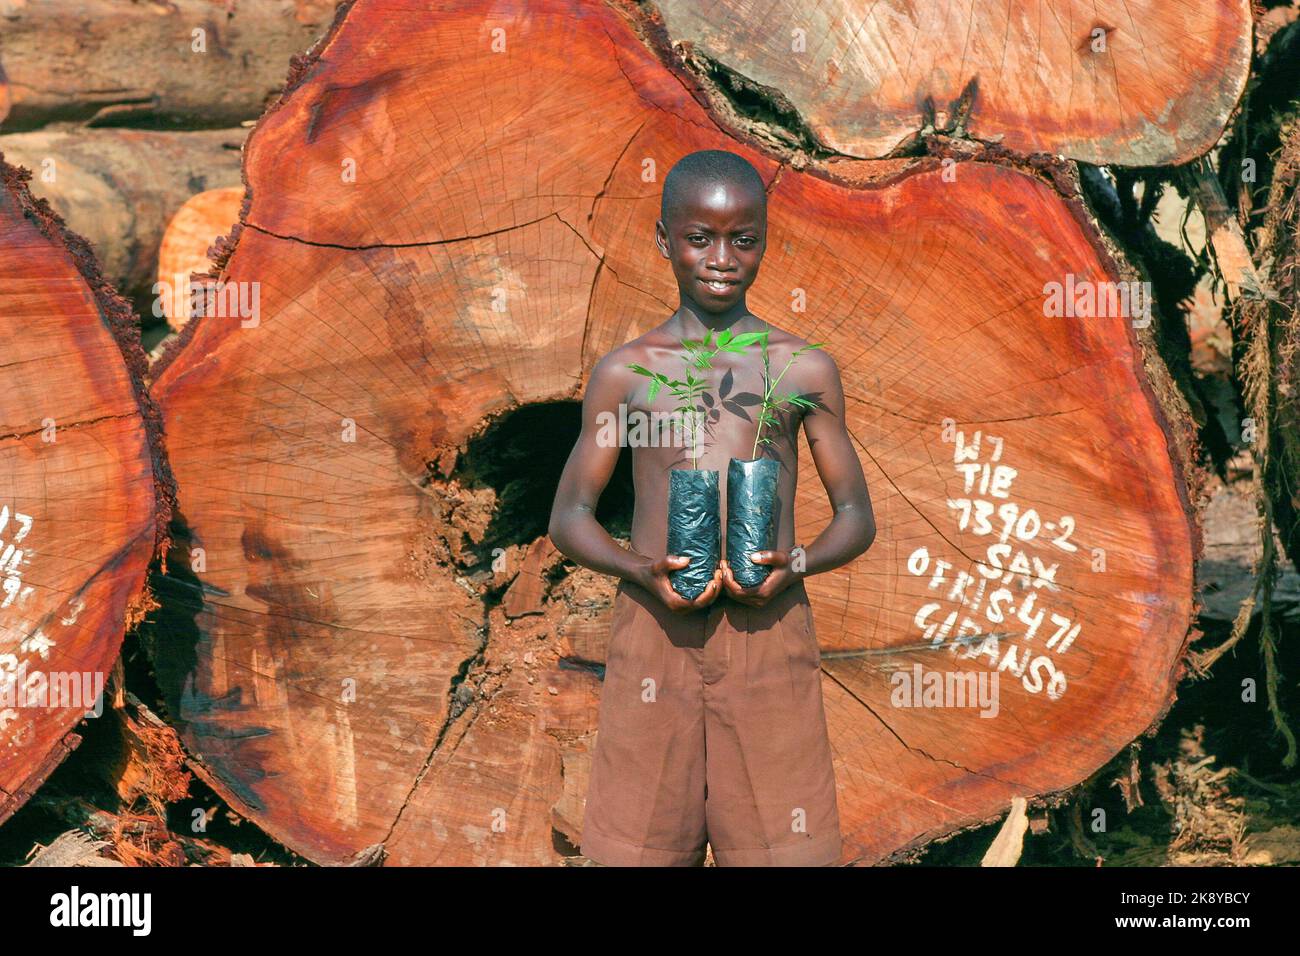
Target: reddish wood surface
{"x": 81, "y": 514}
{"x": 200, "y": 221}
{"x": 1019, "y": 72}
{"x": 489, "y": 249}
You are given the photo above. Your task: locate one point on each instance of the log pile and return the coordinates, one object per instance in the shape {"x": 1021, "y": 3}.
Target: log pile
{"x": 179, "y": 64}
{"x": 124, "y": 110}
{"x": 120, "y": 188}
{"x": 365, "y": 642}
{"x": 383, "y": 277}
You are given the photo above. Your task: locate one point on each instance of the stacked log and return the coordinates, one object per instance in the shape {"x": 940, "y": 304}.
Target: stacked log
{"x": 182, "y": 64}
{"x": 88, "y": 492}
{"x": 435, "y": 264}
{"x": 120, "y": 188}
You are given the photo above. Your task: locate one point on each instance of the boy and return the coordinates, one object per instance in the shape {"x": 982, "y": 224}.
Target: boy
{"x": 711, "y": 727}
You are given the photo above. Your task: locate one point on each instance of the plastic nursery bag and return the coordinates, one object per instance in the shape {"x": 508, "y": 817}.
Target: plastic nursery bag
{"x": 694, "y": 528}
{"x": 751, "y": 506}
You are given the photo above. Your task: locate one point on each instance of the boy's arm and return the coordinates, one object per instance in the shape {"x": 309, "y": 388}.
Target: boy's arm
{"x": 573, "y": 527}
{"x": 853, "y": 525}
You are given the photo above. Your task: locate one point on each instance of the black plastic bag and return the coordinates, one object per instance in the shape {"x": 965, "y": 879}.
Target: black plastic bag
{"x": 694, "y": 528}
{"x": 751, "y": 506}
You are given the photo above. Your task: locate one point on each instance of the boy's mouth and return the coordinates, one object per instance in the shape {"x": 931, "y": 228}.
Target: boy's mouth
{"x": 719, "y": 286}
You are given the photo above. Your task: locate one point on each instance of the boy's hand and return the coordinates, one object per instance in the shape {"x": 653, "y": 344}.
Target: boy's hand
{"x": 777, "y": 580}
{"x": 657, "y": 582}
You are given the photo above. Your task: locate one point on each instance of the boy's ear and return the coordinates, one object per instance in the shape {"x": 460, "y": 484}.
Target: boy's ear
{"x": 661, "y": 239}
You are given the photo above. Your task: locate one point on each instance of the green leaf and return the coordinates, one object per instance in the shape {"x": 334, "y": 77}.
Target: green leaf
{"x": 724, "y": 337}
{"x": 745, "y": 340}
{"x": 654, "y": 389}
{"x": 641, "y": 370}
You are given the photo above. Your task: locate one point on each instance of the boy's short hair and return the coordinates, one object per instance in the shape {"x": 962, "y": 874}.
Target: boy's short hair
{"x": 707, "y": 165}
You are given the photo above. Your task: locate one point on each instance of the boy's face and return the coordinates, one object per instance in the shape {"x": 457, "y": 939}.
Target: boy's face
{"x": 715, "y": 242}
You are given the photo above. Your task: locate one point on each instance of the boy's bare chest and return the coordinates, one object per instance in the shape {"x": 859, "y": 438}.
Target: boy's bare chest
{"x": 721, "y": 423}
{"x": 733, "y": 387}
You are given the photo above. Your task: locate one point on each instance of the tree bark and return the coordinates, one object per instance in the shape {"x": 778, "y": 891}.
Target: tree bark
{"x": 439, "y": 260}
{"x": 120, "y": 187}
{"x": 126, "y": 63}
{"x": 191, "y": 233}
{"x": 1270, "y": 313}
{"x": 88, "y": 492}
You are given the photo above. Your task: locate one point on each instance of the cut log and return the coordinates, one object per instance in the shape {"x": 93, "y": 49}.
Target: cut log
{"x": 120, "y": 187}
{"x": 1133, "y": 82}
{"x": 87, "y": 491}
{"x": 336, "y": 666}
{"x": 114, "y": 63}
{"x": 200, "y": 221}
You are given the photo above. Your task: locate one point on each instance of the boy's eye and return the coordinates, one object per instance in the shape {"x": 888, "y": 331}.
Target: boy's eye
{"x": 743, "y": 240}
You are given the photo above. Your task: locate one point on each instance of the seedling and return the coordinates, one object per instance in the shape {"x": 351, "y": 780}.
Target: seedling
{"x": 698, "y": 355}
{"x": 771, "y": 402}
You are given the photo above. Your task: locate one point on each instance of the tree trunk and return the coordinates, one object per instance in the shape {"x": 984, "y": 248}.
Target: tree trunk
{"x": 120, "y": 187}
{"x": 87, "y": 489}
{"x": 1135, "y": 82}
{"x": 340, "y": 657}
{"x": 127, "y": 63}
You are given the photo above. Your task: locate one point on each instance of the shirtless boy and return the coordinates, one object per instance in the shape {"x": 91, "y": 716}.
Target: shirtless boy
{"x": 711, "y": 727}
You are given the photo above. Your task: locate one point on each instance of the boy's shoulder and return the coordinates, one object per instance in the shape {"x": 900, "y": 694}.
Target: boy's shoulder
{"x": 778, "y": 336}
{"x": 611, "y": 374}
{"x": 636, "y": 350}
{"x": 656, "y": 338}
{"x": 781, "y": 344}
